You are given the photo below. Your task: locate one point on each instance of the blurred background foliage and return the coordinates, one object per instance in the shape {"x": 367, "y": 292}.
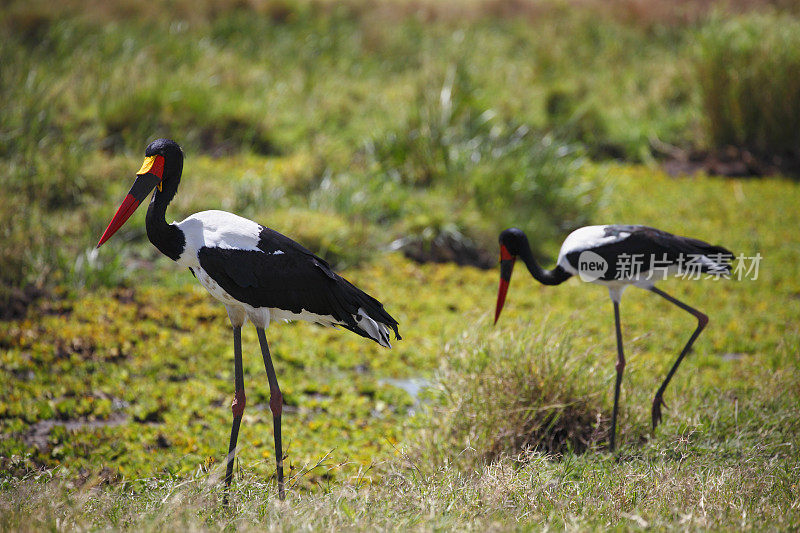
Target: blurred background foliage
{"x": 748, "y": 71}
{"x": 420, "y": 125}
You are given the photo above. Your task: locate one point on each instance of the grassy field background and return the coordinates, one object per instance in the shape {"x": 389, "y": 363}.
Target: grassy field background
{"x": 372, "y": 133}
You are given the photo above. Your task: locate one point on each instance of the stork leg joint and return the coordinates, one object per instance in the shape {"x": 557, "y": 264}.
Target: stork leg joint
{"x": 276, "y": 403}
{"x": 239, "y": 403}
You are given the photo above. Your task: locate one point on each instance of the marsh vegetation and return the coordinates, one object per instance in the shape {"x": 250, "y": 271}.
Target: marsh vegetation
{"x": 387, "y": 137}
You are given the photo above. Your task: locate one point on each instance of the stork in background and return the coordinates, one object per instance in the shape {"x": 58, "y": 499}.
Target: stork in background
{"x": 257, "y": 273}
{"x": 603, "y": 255}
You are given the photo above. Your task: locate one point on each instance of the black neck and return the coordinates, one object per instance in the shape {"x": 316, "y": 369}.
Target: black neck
{"x": 547, "y": 277}
{"x": 169, "y": 240}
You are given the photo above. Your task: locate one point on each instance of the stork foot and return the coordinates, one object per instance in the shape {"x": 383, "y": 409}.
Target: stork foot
{"x": 658, "y": 401}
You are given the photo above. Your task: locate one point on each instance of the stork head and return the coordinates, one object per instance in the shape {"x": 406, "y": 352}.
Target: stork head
{"x": 162, "y": 167}
{"x": 512, "y": 242}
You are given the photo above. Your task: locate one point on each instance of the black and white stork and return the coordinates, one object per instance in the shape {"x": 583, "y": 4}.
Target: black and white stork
{"x": 257, "y": 273}
{"x": 607, "y": 255}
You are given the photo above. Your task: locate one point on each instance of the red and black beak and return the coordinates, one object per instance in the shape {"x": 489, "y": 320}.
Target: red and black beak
{"x": 506, "y": 268}
{"x": 150, "y": 175}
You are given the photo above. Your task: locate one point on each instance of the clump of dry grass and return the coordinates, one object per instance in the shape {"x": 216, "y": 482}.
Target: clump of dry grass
{"x": 510, "y": 391}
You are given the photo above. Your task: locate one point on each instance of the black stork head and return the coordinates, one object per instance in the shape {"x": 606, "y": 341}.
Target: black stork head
{"x": 162, "y": 167}
{"x": 513, "y": 243}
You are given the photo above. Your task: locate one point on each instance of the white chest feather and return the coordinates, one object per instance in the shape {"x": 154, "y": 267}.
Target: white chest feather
{"x": 217, "y": 229}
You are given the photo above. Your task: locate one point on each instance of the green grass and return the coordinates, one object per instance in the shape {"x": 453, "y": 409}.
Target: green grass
{"x": 724, "y": 457}
{"x": 672, "y": 485}
{"x": 352, "y": 127}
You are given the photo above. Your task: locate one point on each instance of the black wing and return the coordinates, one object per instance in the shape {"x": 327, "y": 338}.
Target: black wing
{"x": 287, "y": 276}
{"x": 654, "y": 246}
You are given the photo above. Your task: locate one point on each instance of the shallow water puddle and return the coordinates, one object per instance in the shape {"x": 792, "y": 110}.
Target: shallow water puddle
{"x": 413, "y": 386}
{"x": 38, "y": 433}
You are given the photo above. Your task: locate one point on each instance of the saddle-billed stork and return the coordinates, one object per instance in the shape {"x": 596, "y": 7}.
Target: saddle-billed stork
{"x": 618, "y": 256}
{"x": 256, "y": 272}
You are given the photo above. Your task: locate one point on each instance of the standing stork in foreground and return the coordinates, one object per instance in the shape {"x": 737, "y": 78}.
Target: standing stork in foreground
{"x": 606, "y": 255}
{"x": 256, "y": 272}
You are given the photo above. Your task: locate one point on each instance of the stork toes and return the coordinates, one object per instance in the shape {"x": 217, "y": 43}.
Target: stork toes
{"x": 658, "y": 401}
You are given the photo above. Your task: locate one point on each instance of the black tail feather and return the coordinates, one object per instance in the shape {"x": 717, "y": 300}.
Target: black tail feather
{"x": 350, "y": 298}
{"x": 718, "y": 254}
